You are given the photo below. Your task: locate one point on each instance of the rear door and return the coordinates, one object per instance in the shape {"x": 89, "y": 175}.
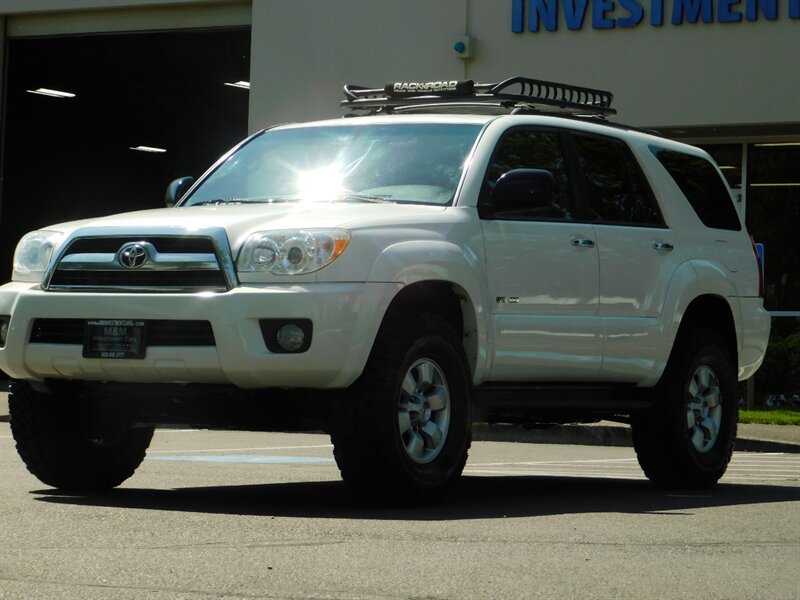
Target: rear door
{"x": 638, "y": 253}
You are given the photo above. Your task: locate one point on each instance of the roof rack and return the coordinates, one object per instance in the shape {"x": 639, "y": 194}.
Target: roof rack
{"x": 519, "y": 94}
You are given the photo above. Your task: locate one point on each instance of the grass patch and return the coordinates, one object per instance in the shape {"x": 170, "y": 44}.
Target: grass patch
{"x": 773, "y": 416}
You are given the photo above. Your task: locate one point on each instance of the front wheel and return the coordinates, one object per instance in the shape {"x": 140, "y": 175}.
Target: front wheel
{"x": 686, "y": 440}
{"x": 59, "y": 446}
{"x": 405, "y": 427}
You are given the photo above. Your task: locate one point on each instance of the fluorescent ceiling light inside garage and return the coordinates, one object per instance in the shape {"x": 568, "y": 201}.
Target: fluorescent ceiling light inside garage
{"x": 148, "y": 149}
{"x": 51, "y": 93}
{"x": 778, "y": 144}
{"x": 244, "y": 85}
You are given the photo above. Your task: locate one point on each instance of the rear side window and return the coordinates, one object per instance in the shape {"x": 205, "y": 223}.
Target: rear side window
{"x": 703, "y": 187}
{"x": 616, "y": 189}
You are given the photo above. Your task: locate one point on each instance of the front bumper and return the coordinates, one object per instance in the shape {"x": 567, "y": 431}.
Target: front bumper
{"x": 345, "y": 316}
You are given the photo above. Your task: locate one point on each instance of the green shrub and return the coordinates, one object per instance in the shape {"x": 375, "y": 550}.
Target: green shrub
{"x": 780, "y": 373}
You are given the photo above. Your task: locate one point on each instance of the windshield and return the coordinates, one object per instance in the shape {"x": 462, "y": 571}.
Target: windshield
{"x": 416, "y": 163}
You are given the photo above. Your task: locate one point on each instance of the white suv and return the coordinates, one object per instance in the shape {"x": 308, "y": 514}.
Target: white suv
{"x": 455, "y": 252}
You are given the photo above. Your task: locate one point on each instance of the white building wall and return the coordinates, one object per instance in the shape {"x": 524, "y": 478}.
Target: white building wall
{"x": 304, "y": 51}
{"x": 693, "y": 74}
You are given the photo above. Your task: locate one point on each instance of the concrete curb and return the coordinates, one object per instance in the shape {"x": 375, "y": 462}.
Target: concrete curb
{"x": 754, "y": 445}
{"x": 603, "y": 435}
{"x": 584, "y": 435}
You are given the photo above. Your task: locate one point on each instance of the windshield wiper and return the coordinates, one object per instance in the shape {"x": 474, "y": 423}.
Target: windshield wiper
{"x": 344, "y": 197}
{"x": 219, "y": 201}
{"x": 347, "y": 196}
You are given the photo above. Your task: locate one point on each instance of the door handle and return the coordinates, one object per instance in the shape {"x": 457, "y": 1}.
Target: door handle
{"x": 663, "y": 246}
{"x": 582, "y": 243}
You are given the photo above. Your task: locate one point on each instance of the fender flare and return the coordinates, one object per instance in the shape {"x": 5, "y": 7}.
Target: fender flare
{"x": 416, "y": 261}
{"x": 692, "y": 280}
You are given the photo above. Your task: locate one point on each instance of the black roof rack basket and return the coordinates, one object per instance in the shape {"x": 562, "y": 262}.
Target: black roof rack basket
{"x": 516, "y": 93}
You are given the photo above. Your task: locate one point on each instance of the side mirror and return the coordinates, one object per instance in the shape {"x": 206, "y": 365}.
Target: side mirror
{"x": 176, "y": 190}
{"x": 523, "y": 189}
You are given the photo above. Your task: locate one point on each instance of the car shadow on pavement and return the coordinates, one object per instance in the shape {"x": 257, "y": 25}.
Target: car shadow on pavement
{"x": 475, "y": 497}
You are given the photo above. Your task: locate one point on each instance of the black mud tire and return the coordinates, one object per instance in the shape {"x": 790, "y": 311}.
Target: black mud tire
{"x": 686, "y": 441}
{"x": 50, "y": 431}
{"x": 404, "y": 428}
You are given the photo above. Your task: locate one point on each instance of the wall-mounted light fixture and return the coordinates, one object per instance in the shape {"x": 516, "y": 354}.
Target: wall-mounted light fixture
{"x": 463, "y": 47}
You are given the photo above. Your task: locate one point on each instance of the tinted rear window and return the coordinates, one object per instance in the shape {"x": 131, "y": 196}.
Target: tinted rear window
{"x": 617, "y": 191}
{"x": 703, "y": 187}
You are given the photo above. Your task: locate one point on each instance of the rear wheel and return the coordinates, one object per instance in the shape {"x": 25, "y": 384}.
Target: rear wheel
{"x": 405, "y": 428}
{"x": 59, "y": 445}
{"x": 686, "y": 440}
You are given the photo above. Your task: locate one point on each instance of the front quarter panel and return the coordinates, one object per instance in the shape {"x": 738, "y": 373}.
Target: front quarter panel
{"x": 411, "y": 262}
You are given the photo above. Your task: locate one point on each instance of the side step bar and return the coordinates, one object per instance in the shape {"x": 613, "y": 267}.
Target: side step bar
{"x": 554, "y": 403}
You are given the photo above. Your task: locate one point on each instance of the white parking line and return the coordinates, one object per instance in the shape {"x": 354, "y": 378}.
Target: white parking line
{"x": 771, "y": 467}
{"x": 253, "y": 459}
{"x": 554, "y": 473}
{"x": 557, "y": 462}
{"x": 184, "y": 451}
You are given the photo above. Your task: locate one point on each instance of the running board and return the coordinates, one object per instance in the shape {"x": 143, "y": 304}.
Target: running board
{"x": 554, "y": 403}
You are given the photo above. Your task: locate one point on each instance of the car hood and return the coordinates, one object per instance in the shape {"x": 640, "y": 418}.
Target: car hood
{"x": 239, "y": 220}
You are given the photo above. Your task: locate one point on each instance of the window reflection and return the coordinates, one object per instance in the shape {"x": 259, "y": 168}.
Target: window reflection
{"x": 729, "y": 159}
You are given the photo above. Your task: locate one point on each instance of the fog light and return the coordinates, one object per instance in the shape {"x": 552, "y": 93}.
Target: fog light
{"x": 291, "y": 337}
{"x": 287, "y": 336}
{"x": 4, "y": 321}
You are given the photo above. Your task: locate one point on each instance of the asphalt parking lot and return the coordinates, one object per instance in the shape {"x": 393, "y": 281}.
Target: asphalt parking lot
{"x": 253, "y": 515}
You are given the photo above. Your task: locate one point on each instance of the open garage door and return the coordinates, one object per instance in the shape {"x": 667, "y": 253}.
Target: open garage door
{"x": 98, "y": 124}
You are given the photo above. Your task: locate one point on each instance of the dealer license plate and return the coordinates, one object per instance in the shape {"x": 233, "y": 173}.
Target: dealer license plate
{"x": 114, "y": 338}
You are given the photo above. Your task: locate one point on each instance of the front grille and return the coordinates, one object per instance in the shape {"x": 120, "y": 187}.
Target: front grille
{"x": 160, "y": 332}
{"x": 188, "y": 244}
{"x": 180, "y": 280}
{"x": 164, "y": 263}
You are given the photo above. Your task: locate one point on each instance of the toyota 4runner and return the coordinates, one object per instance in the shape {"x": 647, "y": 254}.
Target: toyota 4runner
{"x": 454, "y": 252}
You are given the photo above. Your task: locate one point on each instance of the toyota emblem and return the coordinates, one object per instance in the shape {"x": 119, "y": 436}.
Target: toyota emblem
{"x": 132, "y": 255}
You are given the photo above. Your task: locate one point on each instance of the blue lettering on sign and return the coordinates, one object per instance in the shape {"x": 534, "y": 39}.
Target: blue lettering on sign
{"x": 636, "y": 13}
{"x": 657, "y": 13}
{"x": 547, "y": 11}
{"x": 575, "y": 13}
{"x": 608, "y": 14}
{"x": 517, "y": 15}
{"x": 693, "y": 9}
{"x": 599, "y": 18}
{"x": 726, "y": 12}
{"x": 768, "y": 7}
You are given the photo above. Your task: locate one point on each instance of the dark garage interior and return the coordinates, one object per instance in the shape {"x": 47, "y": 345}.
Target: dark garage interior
{"x": 72, "y": 157}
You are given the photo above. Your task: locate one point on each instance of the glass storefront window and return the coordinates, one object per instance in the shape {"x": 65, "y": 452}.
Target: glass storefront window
{"x": 771, "y": 174}
{"x": 773, "y": 218}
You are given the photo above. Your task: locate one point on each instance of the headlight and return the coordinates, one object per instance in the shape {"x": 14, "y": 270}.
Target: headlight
{"x": 291, "y": 252}
{"x": 33, "y": 255}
